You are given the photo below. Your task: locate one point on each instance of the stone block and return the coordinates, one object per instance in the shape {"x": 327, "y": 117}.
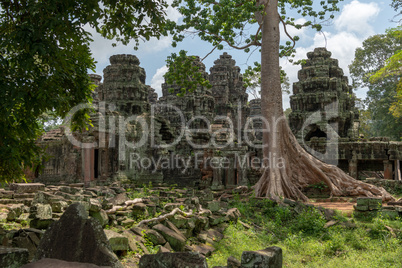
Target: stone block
{"x": 14, "y": 211}
{"x": 176, "y": 240}
{"x": 214, "y": 206}
{"x": 361, "y": 207}
{"x": 140, "y": 210}
{"x": 154, "y": 237}
{"x": 13, "y": 257}
{"x": 177, "y": 259}
{"x": 59, "y": 206}
{"x": 267, "y": 258}
{"x": 25, "y": 242}
{"x": 27, "y": 187}
{"x": 232, "y": 262}
{"x": 94, "y": 205}
{"x": 41, "y": 224}
{"x": 47, "y": 263}
{"x": 117, "y": 241}
{"x": 203, "y": 249}
{"x": 131, "y": 241}
{"x": 75, "y": 238}
{"x": 216, "y": 219}
{"x": 40, "y": 211}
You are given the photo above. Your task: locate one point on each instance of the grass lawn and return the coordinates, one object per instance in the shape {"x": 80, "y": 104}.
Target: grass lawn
{"x": 306, "y": 242}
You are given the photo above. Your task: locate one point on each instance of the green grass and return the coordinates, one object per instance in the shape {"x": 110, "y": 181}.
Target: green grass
{"x": 306, "y": 243}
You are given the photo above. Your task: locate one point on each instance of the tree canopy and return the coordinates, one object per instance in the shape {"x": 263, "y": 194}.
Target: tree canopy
{"x": 45, "y": 58}
{"x": 377, "y": 66}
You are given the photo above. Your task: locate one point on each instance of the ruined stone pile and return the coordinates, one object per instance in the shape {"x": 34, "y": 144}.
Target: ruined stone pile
{"x": 166, "y": 217}
{"x": 370, "y": 207}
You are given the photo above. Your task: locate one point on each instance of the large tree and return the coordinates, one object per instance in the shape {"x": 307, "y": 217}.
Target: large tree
{"x": 45, "y": 59}
{"x": 377, "y": 66}
{"x": 230, "y": 22}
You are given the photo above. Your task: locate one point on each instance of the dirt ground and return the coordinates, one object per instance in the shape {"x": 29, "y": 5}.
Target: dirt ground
{"x": 345, "y": 207}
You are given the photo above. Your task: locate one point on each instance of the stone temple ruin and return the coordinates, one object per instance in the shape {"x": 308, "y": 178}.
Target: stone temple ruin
{"x": 176, "y": 140}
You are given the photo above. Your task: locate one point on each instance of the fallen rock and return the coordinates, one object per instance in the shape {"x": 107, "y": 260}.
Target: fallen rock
{"x": 14, "y": 211}
{"x": 77, "y": 238}
{"x": 176, "y": 240}
{"x": 155, "y": 237}
{"x": 204, "y": 249}
{"x": 27, "y": 187}
{"x": 267, "y": 258}
{"x": 131, "y": 241}
{"x": 53, "y": 263}
{"x": 173, "y": 260}
{"x": 119, "y": 199}
{"x": 40, "y": 211}
{"x": 13, "y": 257}
{"x": 100, "y": 216}
{"x": 117, "y": 241}
{"x": 233, "y": 262}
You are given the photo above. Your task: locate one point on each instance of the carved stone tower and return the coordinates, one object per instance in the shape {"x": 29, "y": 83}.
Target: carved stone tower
{"x": 124, "y": 85}
{"x": 229, "y": 91}
{"x": 198, "y": 103}
{"x": 322, "y": 103}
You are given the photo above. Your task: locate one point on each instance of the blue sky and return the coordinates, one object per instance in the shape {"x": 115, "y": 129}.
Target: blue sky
{"x": 357, "y": 20}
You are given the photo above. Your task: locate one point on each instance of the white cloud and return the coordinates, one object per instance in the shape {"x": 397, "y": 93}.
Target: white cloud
{"x": 102, "y": 48}
{"x": 356, "y": 16}
{"x": 172, "y": 13}
{"x": 157, "y": 80}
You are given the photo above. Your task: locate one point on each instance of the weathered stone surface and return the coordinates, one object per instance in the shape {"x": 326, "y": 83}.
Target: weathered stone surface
{"x": 94, "y": 205}
{"x": 54, "y": 263}
{"x": 267, "y": 258}
{"x": 14, "y": 211}
{"x": 41, "y": 224}
{"x": 117, "y": 241}
{"x": 214, "y": 206}
{"x": 25, "y": 242}
{"x": 173, "y": 260}
{"x": 27, "y": 187}
{"x": 176, "y": 240}
{"x": 203, "y": 249}
{"x": 140, "y": 210}
{"x": 40, "y": 211}
{"x": 131, "y": 241}
{"x": 368, "y": 203}
{"x": 119, "y": 199}
{"x": 76, "y": 238}
{"x": 155, "y": 237}
{"x": 13, "y": 257}
{"x": 59, "y": 206}
{"x": 232, "y": 262}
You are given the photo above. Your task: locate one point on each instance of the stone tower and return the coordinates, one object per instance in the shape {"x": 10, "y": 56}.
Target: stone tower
{"x": 197, "y": 103}
{"x": 322, "y": 102}
{"x": 229, "y": 91}
{"x": 124, "y": 85}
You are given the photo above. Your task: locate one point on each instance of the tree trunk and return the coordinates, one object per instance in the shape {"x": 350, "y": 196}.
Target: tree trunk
{"x": 287, "y": 167}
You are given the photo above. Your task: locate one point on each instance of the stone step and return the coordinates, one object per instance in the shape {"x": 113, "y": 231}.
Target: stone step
{"x": 27, "y": 187}
{"x": 25, "y": 201}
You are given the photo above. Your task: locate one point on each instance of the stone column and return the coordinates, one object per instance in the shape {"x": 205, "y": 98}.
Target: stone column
{"x": 387, "y": 170}
{"x": 88, "y": 165}
{"x": 397, "y": 170}
{"x": 353, "y": 168}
